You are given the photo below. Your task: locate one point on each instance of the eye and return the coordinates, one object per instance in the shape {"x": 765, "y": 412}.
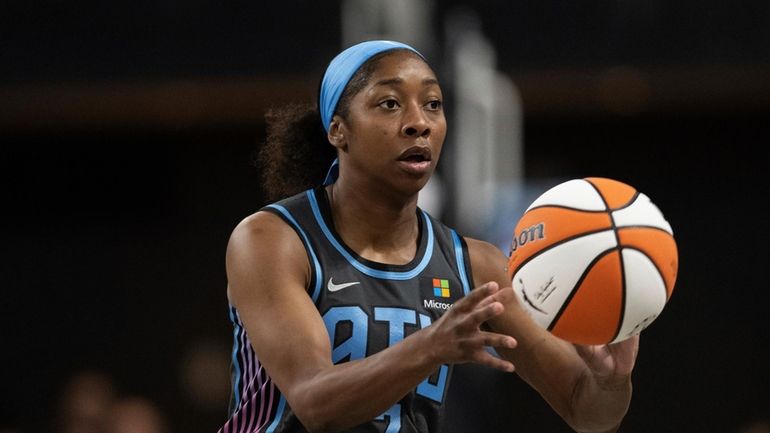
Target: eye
{"x": 434, "y": 105}
{"x": 390, "y": 104}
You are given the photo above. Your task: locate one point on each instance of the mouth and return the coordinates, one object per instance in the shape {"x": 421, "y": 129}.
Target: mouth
{"x": 416, "y": 154}
{"x": 416, "y": 160}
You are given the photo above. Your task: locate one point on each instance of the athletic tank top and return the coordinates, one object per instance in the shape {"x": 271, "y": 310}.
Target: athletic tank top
{"x": 366, "y": 307}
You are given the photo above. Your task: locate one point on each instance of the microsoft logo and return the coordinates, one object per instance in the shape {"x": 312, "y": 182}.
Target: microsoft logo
{"x": 440, "y": 288}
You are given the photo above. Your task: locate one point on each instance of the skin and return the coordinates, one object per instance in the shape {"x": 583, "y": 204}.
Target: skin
{"x": 268, "y": 273}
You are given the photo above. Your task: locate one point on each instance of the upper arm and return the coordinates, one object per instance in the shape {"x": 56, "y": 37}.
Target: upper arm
{"x": 488, "y": 263}
{"x": 549, "y": 364}
{"x": 268, "y": 272}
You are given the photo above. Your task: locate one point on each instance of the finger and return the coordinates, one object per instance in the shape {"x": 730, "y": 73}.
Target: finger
{"x": 505, "y": 294}
{"x": 485, "y": 358}
{"x": 476, "y": 296}
{"x": 488, "y": 300}
{"x": 635, "y": 344}
{"x": 625, "y": 353}
{"x": 628, "y": 345}
{"x": 484, "y": 313}
{"x": 494, "y": 339}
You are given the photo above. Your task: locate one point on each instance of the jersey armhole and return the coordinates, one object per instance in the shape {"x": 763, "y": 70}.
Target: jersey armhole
{"x": 463, "y": 262}
{"x": 467, "y": 262}
{"x": 314, "y": 286}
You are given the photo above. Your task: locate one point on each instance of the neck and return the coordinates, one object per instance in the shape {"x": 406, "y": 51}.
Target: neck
{"x": 379, "y": 226}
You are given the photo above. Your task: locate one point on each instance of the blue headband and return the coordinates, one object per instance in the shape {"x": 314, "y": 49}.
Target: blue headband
{"x": 341, "y": 70}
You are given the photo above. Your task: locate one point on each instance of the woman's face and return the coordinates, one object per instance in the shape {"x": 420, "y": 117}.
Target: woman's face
{"x": 395, "y": 126}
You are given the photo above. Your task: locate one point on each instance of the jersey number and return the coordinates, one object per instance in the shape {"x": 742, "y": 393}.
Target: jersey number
{"x": 354, "y": 347}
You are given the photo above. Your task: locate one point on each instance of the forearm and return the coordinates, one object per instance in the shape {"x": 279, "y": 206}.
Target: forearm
{"x": 345, "y": 395}
{"x": 588, "y": 405}
{"x": 553, "y": 366}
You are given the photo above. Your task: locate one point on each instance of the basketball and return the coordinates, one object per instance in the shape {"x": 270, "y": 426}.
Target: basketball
{"x": 593, "y": 261}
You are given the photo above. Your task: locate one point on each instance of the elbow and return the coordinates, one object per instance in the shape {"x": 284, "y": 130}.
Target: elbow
{"x": 315, "y": 425}
{"x": 316, "y": 406}
{"x": 313, "y": 414}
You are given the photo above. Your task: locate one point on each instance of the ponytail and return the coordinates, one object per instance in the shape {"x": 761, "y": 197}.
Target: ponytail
{"x": 296, "y": 154}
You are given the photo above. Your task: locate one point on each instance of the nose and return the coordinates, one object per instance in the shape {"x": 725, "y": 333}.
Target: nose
{"x": 415, "y": 123}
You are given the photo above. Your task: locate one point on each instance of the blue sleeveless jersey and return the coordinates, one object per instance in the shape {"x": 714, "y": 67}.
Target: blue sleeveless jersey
{"x": 366, "y": 307}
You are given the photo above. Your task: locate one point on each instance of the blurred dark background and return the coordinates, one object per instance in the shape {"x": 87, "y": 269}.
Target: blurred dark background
{"x": 128, "y": 130}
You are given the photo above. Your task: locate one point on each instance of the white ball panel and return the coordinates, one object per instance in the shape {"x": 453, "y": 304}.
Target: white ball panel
{"x": 576, "y": 193}
{"x": 645, "y": 293}
{"x": 544, "y": 282}
{"x": 641, "y": 212}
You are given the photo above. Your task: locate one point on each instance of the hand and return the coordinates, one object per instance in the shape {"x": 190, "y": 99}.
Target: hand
{"x": 611, "y": 364}
{"x": 458, "y": 332}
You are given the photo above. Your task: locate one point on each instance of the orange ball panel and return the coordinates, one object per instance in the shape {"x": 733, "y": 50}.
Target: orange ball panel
{"x": 542, "y": 227}
{"x": 593, "y": 314}
{"x": 616, "y": 194}
{"x": 659, "y": 246}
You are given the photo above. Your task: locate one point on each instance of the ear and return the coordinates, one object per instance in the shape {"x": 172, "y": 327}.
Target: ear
{"x": 337, "y": 133}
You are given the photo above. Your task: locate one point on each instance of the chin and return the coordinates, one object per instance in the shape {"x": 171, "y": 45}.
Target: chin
{"x": 412, "y": 185}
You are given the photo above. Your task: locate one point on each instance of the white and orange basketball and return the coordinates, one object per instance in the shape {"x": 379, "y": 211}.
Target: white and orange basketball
{"x": 593, "y": 261}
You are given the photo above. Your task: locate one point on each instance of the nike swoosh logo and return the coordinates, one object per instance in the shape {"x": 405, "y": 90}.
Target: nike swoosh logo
{"x": 336, "y": 287}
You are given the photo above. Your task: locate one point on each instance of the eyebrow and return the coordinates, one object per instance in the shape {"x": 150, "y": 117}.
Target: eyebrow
{"x": 398, "y": 81}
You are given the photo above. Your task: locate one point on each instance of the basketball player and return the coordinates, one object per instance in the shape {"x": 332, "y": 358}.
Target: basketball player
{"x": 351, "y": 305}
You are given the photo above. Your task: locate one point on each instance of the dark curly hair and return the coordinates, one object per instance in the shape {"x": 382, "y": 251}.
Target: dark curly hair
{"x": 296, "y": 154}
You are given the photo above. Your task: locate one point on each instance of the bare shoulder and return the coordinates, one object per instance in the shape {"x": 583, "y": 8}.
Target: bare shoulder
{"x": 258, "y": 228}
{"x": 488, "y": 262}
{"x": 265, "y": 231}
{"x": 263, "y": 247}
{"x": 483, "y": 249}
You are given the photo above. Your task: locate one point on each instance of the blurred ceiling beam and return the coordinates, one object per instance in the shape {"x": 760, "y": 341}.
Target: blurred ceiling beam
{"x": 242, "y": 101}
{"x": 165, "y": 105}
{"x": 628, "y": 91}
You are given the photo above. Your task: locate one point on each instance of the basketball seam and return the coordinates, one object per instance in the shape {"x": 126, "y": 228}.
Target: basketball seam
{"x": 554, "y": 245}
{"x": 657, "y": 269}
{"x": 642, "y": 226}
{"x": 573, "y": 290}
{"x": 614, "y": 228}
{"x": 630, "y": 202}
{"x": 558, "y": 206}
{"x": 622, "y": 291}
{"x": 660, "y": 274}
{"x": 606, "y": 206}
{"x": 648, "y": 256}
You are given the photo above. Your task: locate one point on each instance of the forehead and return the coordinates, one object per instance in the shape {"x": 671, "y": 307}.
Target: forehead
{"x": 403, "y": 66}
